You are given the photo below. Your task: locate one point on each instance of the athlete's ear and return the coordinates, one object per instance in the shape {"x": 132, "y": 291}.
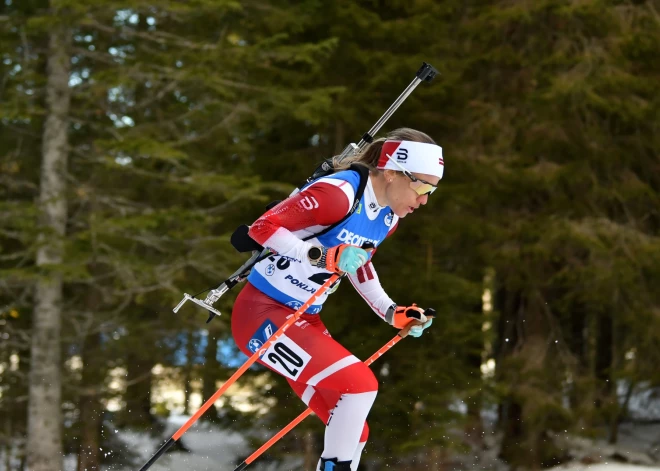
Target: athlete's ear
{"x": 389, "y": 175}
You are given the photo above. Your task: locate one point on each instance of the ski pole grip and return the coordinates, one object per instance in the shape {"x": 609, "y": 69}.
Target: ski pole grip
{"x": 429, "y": 313}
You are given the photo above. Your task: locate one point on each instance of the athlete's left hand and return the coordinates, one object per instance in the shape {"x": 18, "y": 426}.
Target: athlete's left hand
{"x": 401, "y": 316}
{"x": 418, "y": 330}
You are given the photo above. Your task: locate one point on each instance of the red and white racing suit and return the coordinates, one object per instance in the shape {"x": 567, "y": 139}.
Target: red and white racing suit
{"x": 338, "y": 387}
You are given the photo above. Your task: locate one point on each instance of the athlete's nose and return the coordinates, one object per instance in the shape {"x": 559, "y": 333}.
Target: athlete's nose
{"x": 423, "y": 199}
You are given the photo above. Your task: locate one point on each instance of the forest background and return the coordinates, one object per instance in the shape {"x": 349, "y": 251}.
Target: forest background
{"x": 136, "y": 136}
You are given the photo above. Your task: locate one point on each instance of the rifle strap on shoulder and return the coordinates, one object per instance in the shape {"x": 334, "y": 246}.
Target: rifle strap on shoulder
{"x": 243, "y": 243}
{"x": 363, "y": 171}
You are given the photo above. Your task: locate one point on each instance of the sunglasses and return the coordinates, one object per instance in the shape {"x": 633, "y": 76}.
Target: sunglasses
{"x": 421, "y": 187}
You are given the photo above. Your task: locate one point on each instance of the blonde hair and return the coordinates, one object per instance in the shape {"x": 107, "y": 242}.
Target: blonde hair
{"x": 371, "y": 153}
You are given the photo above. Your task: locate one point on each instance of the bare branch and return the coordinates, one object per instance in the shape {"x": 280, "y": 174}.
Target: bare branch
{"x": 241, "y": 108}
{"x": 159, "y": 37}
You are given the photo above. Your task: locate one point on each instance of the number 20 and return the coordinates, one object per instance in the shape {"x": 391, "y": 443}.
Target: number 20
{"x": 285, "y": 353}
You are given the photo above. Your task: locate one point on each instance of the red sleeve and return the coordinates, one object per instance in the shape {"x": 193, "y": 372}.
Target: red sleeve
{"x": 322, "y": 204}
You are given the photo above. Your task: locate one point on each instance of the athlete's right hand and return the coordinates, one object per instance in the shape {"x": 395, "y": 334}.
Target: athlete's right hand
{"x": 343, "y": 258}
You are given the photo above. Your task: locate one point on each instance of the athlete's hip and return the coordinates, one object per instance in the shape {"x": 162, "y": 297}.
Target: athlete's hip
{"x": 253, "y": 308}
{"x": 288, "y": 289}
{"x": 305, "y": 352}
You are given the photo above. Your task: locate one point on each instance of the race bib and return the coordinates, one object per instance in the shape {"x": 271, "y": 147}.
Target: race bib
{"x": 286, "y": 357}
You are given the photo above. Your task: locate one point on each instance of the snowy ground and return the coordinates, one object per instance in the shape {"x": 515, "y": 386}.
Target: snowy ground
{"x": 209, "y": 449}
{"x": 219, "y": 450}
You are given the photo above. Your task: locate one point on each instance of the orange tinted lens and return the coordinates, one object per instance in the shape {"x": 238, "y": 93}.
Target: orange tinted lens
{"x": 422, "y": 188}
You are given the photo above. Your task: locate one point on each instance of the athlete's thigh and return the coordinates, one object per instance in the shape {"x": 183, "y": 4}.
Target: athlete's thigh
{"x": 304, "y": 353}
{"x": 319, "y": 361}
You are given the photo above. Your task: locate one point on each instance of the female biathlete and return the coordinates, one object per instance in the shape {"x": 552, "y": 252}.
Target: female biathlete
{"x": 404, "y": 169}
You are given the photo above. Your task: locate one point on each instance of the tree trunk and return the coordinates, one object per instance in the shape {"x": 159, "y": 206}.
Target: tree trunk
{"x": 91, "y": 415}
{"x": 310, "y": 454}
{"x": 522, "y": 353}
{"x": 582, "y": 345}
{"x": 91, "y": 409}
{"x": 187, "y": 371}
{"x": 138, "y": 392}
{"x": 513, "y": 434}
{"x": 436, "y": 460}
{"x": 607, "y": 404}
{"x": 44, "y": 440}
{"x": 210, "y": 372}
{"x": 622, "y": 412}
{"x": 8, "y": 443}
{"x": 474, "y": 430}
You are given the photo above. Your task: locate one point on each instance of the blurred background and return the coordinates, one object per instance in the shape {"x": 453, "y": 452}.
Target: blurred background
{"x": 135, "y": 137}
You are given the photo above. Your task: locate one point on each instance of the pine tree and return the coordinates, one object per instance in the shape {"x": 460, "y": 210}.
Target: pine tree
{"x": 553, "y": 88}
{"x": 44, "y": 439}
{"x": 157, "y": 177}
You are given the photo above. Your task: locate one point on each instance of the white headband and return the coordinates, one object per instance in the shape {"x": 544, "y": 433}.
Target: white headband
{"x": 416, "y": 157}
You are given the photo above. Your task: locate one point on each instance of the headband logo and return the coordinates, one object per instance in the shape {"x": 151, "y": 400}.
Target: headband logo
{"x": 402, "y": 154}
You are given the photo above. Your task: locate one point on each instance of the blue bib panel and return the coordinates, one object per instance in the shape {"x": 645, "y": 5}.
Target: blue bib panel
{"x": 292, "y": 282}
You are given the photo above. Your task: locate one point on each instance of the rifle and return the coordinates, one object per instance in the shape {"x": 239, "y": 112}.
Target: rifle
{"x": 242, "y": 242}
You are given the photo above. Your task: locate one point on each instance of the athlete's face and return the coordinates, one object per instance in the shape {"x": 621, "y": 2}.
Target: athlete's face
{"x": 401, "y": 194}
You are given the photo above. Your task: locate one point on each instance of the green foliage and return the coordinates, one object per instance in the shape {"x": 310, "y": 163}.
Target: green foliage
{"x": 189, "y": 117}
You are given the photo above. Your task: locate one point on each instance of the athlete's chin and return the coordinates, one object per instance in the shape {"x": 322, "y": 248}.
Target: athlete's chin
{"x": 402, "y": 213}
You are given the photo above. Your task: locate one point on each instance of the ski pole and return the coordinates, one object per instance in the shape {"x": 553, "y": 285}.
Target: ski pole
{"x": 381, "y": 351}
{"x": 255, "y": 356}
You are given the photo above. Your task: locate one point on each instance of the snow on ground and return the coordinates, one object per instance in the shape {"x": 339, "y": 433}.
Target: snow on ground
{"x": 644, "y": 438}
{"x": 644, "y": 402}
{"x": 208, "y": 449}
{"x": 637, "y": 444}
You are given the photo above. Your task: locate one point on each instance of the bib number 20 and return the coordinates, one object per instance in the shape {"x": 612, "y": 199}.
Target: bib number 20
{"x": 286, "y": 357}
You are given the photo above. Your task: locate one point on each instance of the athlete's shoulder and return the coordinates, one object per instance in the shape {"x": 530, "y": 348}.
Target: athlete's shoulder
{"x": 351, "y": 176}
{"x": 348, "y": 181}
